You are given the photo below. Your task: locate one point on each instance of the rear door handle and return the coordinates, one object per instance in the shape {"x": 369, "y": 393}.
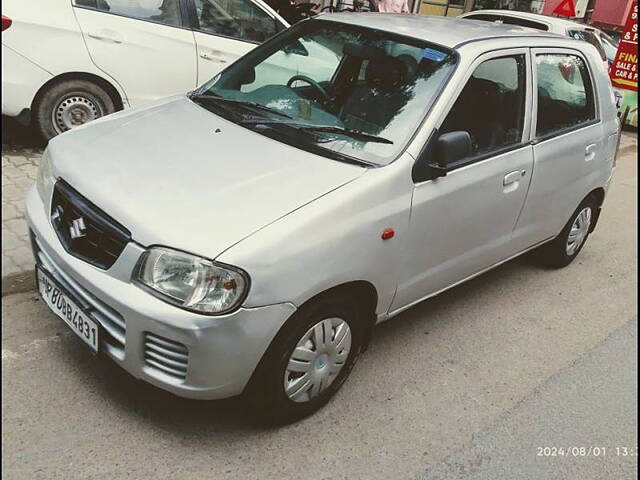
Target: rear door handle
{"x": 104, "y": 38}
{"x": 211, "y": 57}
{"x": 590, "y": 152}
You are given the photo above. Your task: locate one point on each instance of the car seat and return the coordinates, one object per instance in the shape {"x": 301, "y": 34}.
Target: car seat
{"x": 372, "y": 105}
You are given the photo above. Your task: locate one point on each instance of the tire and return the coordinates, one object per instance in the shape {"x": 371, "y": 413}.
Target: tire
{"x": 74, "y": 103}
{"x": 559, "y": 252}
{"x": 266, "y": 394}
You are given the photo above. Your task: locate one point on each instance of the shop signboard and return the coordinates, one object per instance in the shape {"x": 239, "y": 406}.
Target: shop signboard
{"x": 624, "y": 71}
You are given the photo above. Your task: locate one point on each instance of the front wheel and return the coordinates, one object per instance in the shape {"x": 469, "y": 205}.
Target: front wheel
{"x": 308, "y": 361}
{"x": 69, "y": 104}
{"x": 562, "y": 250}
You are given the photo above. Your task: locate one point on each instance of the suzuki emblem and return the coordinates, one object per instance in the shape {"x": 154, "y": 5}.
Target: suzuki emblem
{"x": 78, "y": 228}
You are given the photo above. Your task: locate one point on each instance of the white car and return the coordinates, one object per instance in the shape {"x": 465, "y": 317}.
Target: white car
{"x": 605, "y": 45}
{"x": 67, "y": 62}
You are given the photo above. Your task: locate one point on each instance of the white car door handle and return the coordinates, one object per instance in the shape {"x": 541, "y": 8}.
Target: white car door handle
{"x": 512, "y": 177}
{"x": 104, "y": 38}
{"x": 213, "y": 58}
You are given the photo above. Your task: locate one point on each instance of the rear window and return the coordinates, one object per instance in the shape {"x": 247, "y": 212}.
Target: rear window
{"x": 166, "y": 12}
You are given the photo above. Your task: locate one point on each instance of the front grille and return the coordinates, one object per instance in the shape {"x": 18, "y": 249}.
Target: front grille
{"x": 113, "y": 324}
{"x": 85, "y": 231}
{"x": 170, "y": 357}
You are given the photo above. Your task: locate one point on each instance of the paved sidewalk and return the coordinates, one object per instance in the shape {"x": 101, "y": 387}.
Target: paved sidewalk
{"x": 19, "y": 169}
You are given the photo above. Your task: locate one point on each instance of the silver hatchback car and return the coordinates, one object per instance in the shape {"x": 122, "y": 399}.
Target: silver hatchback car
{"x": 247, "y": 236}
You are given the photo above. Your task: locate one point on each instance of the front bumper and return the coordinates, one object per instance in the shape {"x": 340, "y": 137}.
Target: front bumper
{"x": 222, "y": 351}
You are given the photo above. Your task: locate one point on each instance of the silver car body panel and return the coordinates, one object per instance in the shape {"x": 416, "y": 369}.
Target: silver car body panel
{"x": 300, "y": 224}
{"x": 222, "y": 351}
{"x": 208, "y": 188}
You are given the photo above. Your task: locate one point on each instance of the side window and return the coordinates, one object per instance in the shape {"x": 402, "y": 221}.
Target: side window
{"x": 565, "y": 93}
{"x": 166, "y": 12}
{"x": 492, "y": 104}
{"x": 241, "y": 19}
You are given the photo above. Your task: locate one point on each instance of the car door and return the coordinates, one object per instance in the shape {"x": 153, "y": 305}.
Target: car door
{"x": 224, "y": 30}
{"x": 569, "y": 139}
{"x": 142, "y": 44}
{"x": 463, "y": 223}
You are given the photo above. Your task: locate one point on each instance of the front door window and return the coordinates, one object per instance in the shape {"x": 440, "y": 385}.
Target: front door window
{"x": 491, "y": 106}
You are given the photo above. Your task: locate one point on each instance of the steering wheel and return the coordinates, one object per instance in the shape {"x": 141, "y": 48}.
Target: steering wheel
{"x": 310, "y": 81}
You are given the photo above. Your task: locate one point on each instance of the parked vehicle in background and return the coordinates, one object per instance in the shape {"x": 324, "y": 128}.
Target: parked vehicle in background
{"x": 605, "y": 45}
{"x": 67, "y": 62}
{"x": 246, "y": 237}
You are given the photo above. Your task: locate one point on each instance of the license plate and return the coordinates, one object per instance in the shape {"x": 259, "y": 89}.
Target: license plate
{"x": 67, "y": 309}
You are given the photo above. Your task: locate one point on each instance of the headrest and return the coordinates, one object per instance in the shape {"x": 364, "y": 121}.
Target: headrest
{"x": 385, "y": 73}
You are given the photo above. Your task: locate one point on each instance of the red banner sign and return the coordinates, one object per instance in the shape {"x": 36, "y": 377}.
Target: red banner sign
{"x": 624, "y": 71}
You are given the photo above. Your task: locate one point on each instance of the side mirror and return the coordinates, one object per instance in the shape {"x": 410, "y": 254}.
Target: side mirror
{"x": 452, "y": 146}
{"x": 249, "y": 77}
{"x": 440, "y": 153}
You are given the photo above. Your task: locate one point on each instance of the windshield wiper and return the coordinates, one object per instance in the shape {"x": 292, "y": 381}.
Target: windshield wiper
{"x": 253, "y": 105}
{"x": 307, "y": 127}
{"x": 346, "y": 132}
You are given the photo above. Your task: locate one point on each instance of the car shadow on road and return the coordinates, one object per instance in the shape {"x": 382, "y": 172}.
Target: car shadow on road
{"x": 197, "y": 419}
{"x": 18, "y": 137}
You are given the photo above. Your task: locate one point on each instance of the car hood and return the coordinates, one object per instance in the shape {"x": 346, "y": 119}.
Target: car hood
{"x": 175, "y": 174}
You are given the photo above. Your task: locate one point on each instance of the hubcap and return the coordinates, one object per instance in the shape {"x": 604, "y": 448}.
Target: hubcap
{"x": 73, "y": 111}
{"x": 317, "y": 359}
{"x": 579, "y": 230}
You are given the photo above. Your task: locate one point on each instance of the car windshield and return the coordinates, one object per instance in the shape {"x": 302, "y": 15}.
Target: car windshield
{"x": 346, "y": 92}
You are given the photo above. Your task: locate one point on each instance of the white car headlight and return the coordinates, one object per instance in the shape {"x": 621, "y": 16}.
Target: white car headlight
{"x": 191, "y": 282}
{"x": 45, "y": 179}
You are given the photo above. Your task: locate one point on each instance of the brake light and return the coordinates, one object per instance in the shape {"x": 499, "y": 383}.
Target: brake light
{"x": 6, "y": 23}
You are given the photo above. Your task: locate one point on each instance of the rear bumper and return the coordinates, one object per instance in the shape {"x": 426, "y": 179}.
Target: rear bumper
{"x": 222, "y": 352}
{"x": 21, "y": 80}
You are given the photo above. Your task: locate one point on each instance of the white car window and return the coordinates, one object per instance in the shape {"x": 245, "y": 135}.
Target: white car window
{"x": 161, "y": 11}
{"x": 241, "y": 19}
{"x": 610, "y": 48}
{"x": 589, "y": 36}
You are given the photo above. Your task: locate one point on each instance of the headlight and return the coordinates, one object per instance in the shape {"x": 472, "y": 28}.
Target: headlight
{"x": 191, "y": 282}
{"x": 45, "y": 176}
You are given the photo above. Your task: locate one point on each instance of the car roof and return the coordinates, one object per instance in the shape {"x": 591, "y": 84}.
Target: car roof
{"x": 449, "y": 32}
{"x": 536, "y": 17}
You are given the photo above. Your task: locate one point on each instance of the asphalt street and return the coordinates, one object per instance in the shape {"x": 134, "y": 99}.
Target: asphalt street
{"x": 480, "y": 382}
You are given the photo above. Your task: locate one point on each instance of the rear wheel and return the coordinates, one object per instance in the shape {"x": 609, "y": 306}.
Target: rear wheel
{"x": 69, "y": 104}
{"x": 308, "y": 361}
{"x": 562, "y": 250}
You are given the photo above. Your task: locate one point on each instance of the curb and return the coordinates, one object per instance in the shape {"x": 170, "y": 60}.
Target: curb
{"x": 19, "y": 282}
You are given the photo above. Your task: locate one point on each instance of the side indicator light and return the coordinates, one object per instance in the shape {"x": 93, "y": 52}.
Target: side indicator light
{"x": 388, "y": 233}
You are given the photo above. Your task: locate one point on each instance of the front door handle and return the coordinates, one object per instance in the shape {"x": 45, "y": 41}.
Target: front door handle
{"x": 512, "y": 177}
